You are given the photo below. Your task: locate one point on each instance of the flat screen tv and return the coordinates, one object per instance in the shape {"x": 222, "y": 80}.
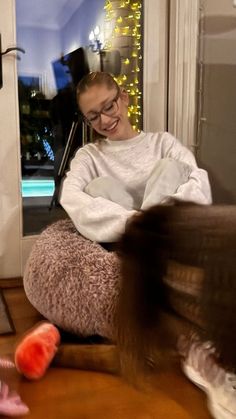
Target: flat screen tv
{"x": 69, "y": 69}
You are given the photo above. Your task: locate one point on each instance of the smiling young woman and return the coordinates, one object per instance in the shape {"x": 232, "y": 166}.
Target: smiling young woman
{"x": 127, "y": 171}
{"x": 105, "y": 106}
{"x": 70, "y": 278}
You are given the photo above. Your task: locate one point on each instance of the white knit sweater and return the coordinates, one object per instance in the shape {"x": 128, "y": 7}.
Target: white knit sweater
{"x": 130, "y": 161}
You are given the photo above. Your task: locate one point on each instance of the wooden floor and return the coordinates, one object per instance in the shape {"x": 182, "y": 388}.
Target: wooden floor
{"x": 68, "y": 394}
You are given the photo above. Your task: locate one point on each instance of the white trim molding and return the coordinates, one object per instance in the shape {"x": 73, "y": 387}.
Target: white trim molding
{"x": 155, "y": 71}
{"x": 10, "y": 193}
{"x": 184, "y": 17}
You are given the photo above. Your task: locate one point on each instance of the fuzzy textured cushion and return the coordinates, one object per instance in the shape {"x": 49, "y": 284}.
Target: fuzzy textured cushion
{"x": 73, "y": 282}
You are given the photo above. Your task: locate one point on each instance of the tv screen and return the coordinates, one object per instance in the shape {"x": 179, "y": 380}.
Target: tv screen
{"x": 69, "y": 69}
{"x": 62, "y": 74}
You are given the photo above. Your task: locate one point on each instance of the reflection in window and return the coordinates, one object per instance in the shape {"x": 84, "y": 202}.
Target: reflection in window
{"x": 59, "y": 51}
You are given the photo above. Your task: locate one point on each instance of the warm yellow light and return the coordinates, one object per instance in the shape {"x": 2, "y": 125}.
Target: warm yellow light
{"x": 108, "y": 5}
{"x": 108, "y": 45}
{"x": 125, "y": 30}
{"x": 128, "y": 24}
{"x": 134, "y": 6}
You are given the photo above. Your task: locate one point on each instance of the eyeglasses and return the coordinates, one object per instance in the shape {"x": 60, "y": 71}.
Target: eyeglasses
{"x": 109, "y": 109}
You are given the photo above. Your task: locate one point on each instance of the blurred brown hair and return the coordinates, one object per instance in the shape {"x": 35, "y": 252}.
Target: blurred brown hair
{"x": 200, "y": 236}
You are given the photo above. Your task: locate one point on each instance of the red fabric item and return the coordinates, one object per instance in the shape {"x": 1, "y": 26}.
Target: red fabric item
{"x": 36, "y": 350}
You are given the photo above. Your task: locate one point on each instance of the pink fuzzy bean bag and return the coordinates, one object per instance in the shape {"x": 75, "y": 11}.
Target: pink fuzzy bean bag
{"x": 73, "y": 282}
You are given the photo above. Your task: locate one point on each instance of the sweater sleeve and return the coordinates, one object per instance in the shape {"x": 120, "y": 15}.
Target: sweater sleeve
{"x": 197, "y": 189}
{"x": 98, "y": 219}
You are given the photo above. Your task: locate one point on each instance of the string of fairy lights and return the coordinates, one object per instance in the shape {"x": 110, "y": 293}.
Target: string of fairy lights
{"x": 124, "y": 17}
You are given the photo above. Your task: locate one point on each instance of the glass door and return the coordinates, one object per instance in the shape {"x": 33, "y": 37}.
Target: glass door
{"x": 47, "y": 74}
{"x": 37, "y": 100}
{"x": 58, "y": 46}
{"x": 38, "y": 110}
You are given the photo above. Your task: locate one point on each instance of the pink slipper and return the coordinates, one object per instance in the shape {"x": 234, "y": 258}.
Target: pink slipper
{"x": 10, "y": 402}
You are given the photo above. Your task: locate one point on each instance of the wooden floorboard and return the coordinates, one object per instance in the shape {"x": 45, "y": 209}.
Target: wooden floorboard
{"x": 74, "y": 394}
{"x": 11, "y": 282}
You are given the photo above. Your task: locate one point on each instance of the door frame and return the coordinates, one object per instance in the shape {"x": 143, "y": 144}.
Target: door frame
{"x": 182, "y": 107}
{"x": 11, "y": 218}
{"x": 14, "y": 247}
{"x": 170, "y": 68}
{"x": 155, "y": 70}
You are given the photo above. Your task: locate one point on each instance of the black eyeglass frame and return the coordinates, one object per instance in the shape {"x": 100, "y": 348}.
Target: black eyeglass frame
{"x": 98, "y": 114}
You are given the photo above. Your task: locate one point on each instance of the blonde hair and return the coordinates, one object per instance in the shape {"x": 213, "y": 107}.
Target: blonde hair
{"x": 95, "y": 78}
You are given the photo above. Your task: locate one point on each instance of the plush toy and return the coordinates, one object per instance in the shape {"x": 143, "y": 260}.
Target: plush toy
{"x": 36, "y": 350}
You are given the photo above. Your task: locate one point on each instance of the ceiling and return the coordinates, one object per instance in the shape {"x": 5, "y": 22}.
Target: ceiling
{"x": 51, "y": 14}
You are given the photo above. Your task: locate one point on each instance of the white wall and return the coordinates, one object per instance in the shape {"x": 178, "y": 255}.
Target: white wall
{"x": 76, "y": 32}
{"x": 42, "y": 46}
{"x": 217, "y": 136}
